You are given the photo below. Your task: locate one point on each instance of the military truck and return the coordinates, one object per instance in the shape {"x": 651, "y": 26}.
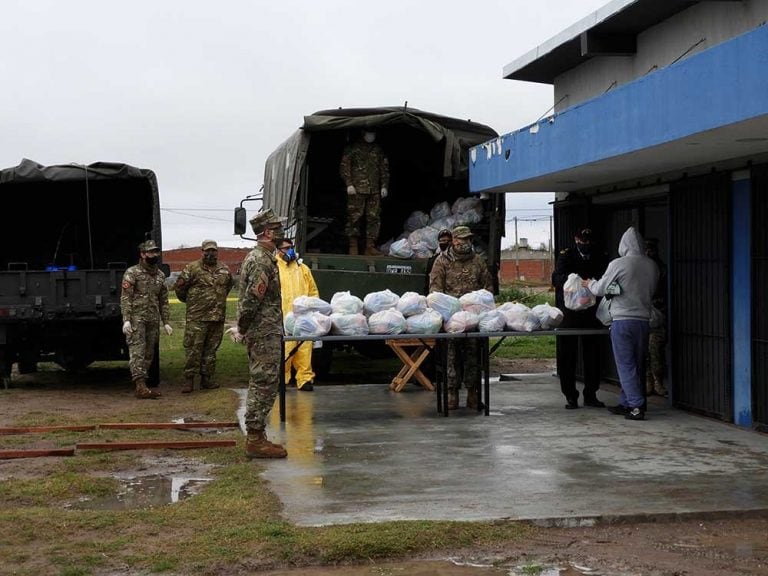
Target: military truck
{"x": 428, "y": 162}
{"x": 69, "y": 233}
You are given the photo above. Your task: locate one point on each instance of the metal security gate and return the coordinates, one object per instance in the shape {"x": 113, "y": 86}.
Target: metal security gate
{"x": 760, "y": 297}
{"x": 700, "y": 295}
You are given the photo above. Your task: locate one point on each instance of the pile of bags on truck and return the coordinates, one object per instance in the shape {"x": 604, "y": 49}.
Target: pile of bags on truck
{"x": 419, "y": 237}
{"x": 385, "y": 312}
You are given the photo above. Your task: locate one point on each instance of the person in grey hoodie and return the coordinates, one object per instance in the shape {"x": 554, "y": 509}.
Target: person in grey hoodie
{"x": 636, "y": 276}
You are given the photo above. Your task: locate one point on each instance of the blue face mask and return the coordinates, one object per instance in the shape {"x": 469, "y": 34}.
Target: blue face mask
{"x": 289, "y": 255}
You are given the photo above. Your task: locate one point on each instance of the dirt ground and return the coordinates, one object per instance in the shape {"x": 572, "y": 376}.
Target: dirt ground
{"x": 695, "y": 547}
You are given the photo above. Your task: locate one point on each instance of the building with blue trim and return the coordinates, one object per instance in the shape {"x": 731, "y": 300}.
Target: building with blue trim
{"x": 660, "y": 120}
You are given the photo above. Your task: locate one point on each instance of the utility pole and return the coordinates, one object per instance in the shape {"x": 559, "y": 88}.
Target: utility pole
{"x": 517, "y": 253}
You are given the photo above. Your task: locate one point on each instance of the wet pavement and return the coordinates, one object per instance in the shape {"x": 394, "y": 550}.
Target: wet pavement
{"x": 361, "y": 453}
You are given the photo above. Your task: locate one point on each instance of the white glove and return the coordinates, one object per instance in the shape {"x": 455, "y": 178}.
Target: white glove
{"x": 384, "y": 192}
{"x": 234, "y": 334}
{"x": 127, "y": 328}
{"x": 168, "y": 329}
{"x": 351, "y": 190}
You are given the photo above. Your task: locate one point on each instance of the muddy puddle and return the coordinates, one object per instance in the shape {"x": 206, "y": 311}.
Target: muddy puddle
{"x": 438, "y": 568}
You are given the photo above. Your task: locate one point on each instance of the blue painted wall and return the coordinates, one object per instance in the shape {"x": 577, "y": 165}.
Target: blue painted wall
{"x": 725, "y": 84}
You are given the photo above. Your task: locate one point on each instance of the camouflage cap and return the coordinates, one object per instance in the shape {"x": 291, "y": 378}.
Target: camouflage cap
{"x": 462, "y": 232}
{"x": 265, "y": 219}
{"x": 210, "y": 245}
{"x": 149, "y": 246}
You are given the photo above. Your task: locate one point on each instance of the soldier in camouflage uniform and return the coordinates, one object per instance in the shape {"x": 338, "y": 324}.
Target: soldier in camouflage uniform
{"x": 144, "y": 304}
{"x": 260, "y": 324}
{"x": 456, "y": 272}
{"x": 203, "y": 285}
{"x": 657, "y": 340}
{"x": 365, "y": 171}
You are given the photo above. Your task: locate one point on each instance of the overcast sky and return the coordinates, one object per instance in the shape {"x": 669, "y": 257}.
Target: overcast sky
{"x": 202, "y": 92}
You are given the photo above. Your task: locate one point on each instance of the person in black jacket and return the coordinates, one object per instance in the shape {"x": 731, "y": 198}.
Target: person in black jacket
{"x": 586, "y": 260}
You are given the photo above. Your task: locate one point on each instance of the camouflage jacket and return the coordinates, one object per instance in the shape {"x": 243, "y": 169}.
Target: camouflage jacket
{"x": 258, "y": 305}
{"x": 365, "y": 167}
{"x": 457, "y": 276}
{"x": 144, "y": 295}
{"x": 204, "y": 289}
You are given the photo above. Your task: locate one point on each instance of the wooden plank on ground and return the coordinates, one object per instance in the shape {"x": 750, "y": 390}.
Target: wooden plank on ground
{"x": 163, "y": 425}
{"x": 41, "y": 429}
{"x": 155, "y": 445}
{"x": 6, "y": 454}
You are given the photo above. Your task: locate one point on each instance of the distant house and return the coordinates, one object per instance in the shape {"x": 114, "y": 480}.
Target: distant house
{"x": 526, "y": 264}
{"x": 180, "y": 257}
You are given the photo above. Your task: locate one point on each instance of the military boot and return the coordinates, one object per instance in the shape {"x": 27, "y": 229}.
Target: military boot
{"x": 472, "y": 398}
{"x": 257, "y": 446}
{"x": 189, "y": 384}
{"x": 144, "y": 393}
{"x": 453, "y": 399}
{"x": 353, "y": 247}
{"x": 207, "y": 383}
{"x": 370, "y": 248}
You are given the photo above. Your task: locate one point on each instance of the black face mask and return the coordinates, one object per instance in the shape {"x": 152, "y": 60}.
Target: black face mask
{"x": 152, "y": 260}
{"x": 585, "y": 248}
{"x": 444, "y": 246}
{"x": 210, "y": 259}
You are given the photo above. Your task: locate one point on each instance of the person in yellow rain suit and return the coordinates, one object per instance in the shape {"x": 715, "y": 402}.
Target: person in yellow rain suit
{"x": 296, "y": 280}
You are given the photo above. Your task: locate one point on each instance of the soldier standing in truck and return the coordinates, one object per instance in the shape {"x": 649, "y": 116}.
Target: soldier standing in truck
{"x": 203, "y": 285}
{"x": 144, "y": 304}
{"x": 365, "y": 171}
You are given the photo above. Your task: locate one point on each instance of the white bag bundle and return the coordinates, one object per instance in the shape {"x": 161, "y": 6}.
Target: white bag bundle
{"x": 477, "y": 301}
{"x": 421, "y": 250}
{"x": 522, "y": 321}
{"x": 411, "y": 303}
{"x": 440, "y": 210}
{"x": 427, "y": 235}
{"x": 575, "y": 295}
{"x": 516, "y": 315}
{"x": 549, "y": 316}
{"x": 349, "y": 324}
{"x": 445, "y": 304}
{"x": 401, "y": 249}
{"x": 288, "y": 321}
{"x": 462, "y": 321}
{"x": 469, "y": 217}
{"x": 461, "y": 205}
{"x": 416, "y": 220}
{"x": 306, "y": 304}
{"x": 448, "y": 222}
{"x": 346, "y": 303}
{"x": 491, "y": 321}
{"x": 378, "y": 301}
{"x": 311, "y": 324}
{"x": 428, "y": 322}
{"x": 386, "y": 322}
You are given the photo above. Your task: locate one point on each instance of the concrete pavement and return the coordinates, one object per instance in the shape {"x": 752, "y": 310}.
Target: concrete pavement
{"x": 360, "y": 453}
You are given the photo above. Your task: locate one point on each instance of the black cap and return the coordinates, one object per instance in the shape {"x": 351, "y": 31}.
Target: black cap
{"x": 444, "y": 232}
{"x": 585, "y": 235}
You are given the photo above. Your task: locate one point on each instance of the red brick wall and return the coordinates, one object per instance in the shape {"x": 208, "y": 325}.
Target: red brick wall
{"x": 539, "y": 270}
{"x": 180, "y": 257}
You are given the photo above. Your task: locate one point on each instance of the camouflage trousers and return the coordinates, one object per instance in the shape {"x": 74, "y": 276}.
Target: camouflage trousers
{"x": 141, "y": 348}
{"x": 264, "y": 376}
{"x": 654, "y": 380}
{"x": 201, "y": 342}
{"x": 359, "y": 205}
{"x": 464, "y": 363}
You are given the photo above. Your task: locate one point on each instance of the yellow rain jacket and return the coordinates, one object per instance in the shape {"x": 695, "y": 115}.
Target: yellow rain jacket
{"x": 296, "y": 280}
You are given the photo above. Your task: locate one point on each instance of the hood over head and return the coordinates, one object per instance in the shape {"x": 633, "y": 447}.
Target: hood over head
{"x": 631, "y": 243}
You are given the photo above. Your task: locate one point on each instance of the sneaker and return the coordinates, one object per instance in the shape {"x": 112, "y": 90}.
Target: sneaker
{"x": 635, "y": 414}
{"x": 594, "y": 403}
{"x": 307, "y": 387}
{"x": 619, "y": 410}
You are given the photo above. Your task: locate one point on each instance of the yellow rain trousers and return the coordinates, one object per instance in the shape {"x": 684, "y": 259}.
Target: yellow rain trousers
{"x": 296, "y": 280}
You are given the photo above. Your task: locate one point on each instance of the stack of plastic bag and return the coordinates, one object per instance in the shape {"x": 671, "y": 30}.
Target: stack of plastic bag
{"x": 349, "y": 324}
{"x": 427, "y": 322}
{"x": 440, "y": 210}
{"x": 312, "y": 324}
{"x": 411, "y": 303}
{"x": 445, "y": 304}
{"x": 346, "y": 303}
{"x": 306, "y": 304}
{"x": 378, "y": 301}
{"x": 477, "y": 301}
{"x": 519, "y": 317}
{"x": 468, "y": 211}
{"x": 549, "y": 316}
{"x": 416, "y": 220}
{"x": 386, "y": 322}
{"x": 426, "y": 236}
{"x": 462, "y": 321}
{"x": 491, "y": 321}
{"x": 577, "y": 297}
{"x": 401, "y": 249}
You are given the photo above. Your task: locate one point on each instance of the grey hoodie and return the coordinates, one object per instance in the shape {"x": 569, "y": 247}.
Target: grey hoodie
{"x": 635, "y": 273}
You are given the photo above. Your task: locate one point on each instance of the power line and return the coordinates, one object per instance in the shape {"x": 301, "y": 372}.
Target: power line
{"x": 195, "y": 215}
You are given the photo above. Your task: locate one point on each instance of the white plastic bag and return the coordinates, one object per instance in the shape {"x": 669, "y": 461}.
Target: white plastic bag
{"x": 440, "y": 210}
{"x": 575, "y": 295}
{"x": 401, "y": 249}
{"x": 346, "y": 303}
{"x": 386, "y": 322}
{"x": 549, "y": 316}
{"x": 416, "y": 220}
{"x": 445, "y": 304}
{"x": 477, "y": 301}
{"x": 306, "y": 304}
{"x": 603, "y": 312}
{"x": 428, "y": 322}
{"x": 491, "y": 321}
{"x": 349, "y": 324}
{"x": 411, "y": 303}
{"x": 427, "y": 235}
{"x": 465, "y": 204}
{"x": 378, "y": 301}
{"x": 312, "y": 324}
{"x": 288, "y": 321}
{"x": 462, "y": 321}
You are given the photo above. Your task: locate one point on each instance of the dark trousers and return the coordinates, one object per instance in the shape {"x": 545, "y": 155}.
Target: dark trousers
{"x": 567, "y": 359}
